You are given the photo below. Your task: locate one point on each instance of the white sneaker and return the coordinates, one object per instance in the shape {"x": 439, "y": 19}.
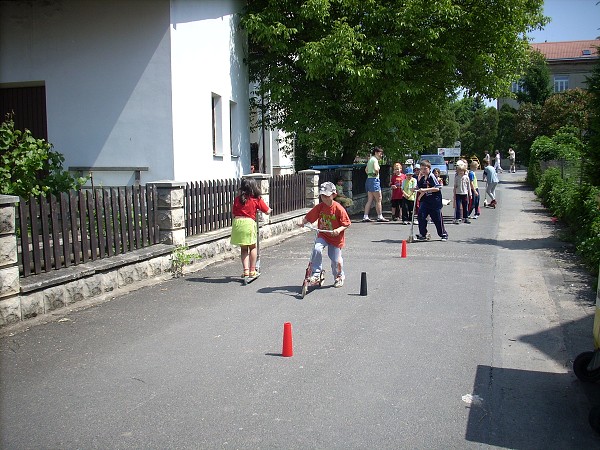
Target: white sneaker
{"x": 339, "y": 282}
{"x": 315, "y": 278}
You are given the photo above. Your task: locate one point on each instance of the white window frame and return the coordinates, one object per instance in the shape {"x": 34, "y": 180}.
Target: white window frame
{"x": 217, "y": 124}
{"x": 561, "y": 83}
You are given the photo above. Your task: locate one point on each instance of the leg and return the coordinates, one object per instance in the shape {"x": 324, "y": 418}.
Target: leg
{"x": 422, "y": 217}
{"x": 438, "y": 220}
{"x": 317, "y": 256}
{"x": 253, "y": 253}
{"x": 337, "y": 262}
{"x": 404, "y": 210}
{"x": 465, "y": 207}
{"x": 370, "y": 199}
{"x": 245, "y": 257}
{"x": 378, "y": 206}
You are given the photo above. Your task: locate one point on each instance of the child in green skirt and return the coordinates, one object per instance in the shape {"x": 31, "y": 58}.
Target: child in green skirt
{"x": 243, "y": 231}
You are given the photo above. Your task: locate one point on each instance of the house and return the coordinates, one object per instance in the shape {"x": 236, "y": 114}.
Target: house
{"x": 570, "y": 62}
{"x": 132, "y": 91}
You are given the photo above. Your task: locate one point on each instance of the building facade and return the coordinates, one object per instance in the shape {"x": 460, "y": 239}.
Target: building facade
{"x": 570, "y": 62}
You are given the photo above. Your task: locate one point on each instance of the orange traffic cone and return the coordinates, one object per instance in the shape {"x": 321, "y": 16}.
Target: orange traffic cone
{"x": 403, "y": 249}
{"x": 288, "y": 349}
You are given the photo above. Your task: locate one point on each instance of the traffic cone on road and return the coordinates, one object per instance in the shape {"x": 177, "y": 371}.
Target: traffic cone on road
{"x": 288, "y": 349}
{"x": 403, "y": 254}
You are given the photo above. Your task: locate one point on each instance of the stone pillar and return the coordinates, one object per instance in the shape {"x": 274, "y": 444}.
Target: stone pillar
{"x": 346, "y": 175}
{"x": 10, "y": 286}
{"x": 312, "y": 187}
{"x": 171, "y": 214}
{"x": 262, "y": 179}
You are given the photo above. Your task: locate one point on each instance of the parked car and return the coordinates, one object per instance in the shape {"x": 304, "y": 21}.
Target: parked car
{"x": 437, "y": 162}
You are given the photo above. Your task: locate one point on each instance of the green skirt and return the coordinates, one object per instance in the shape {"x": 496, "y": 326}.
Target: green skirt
{"x": 243, "y": 231}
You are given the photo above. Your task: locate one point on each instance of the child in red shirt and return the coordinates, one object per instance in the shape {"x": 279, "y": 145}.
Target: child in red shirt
{"x": 397, "y": 194}
{"x": 244, "y": 230}
{"x": 330, "y": 216}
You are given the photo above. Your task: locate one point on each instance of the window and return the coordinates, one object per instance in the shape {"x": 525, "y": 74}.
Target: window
{"x": 561, "y": 83}
{"x": 586, "y": 52}
{"x": 217, "y": 125}
{"x": 234, "y": 132}
{"x": 29, "y": 105}
{"x": 516, "y": 86}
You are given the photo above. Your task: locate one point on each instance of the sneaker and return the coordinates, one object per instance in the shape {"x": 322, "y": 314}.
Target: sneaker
{"x": 444, "y": 238}
{"x": 456, "y": 222}
{"x": 466, "y": 221}
{"x": 339, "y": 282}
{"x": 253, "y": 274}
{"x": 476, "y": 216}
{"x": 382, "y": 219}
{"x": 394, "y": 219}
{"x": 315, "y": 278}
{"x": 366, "y": 219}
{"x": 404, "y": 222}
{"x": 418, "y": 237}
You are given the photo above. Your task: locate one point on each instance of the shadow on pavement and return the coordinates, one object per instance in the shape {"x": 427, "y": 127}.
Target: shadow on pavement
{"x": 507, "y": 402}
{"x": 215, "y": 280}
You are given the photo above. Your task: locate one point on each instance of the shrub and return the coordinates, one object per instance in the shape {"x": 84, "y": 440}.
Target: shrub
{"x": 29, "y": 166}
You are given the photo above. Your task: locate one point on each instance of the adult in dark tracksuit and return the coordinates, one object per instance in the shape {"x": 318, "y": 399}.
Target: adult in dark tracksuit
{"x": 430, "y": 192}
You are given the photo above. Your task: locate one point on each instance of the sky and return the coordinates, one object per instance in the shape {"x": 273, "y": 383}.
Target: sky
{"x": 572, "y": 20}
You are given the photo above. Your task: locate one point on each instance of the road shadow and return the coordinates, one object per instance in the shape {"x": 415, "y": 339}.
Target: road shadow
{"x": 215, "y": 280}
{"x": 527, "y": 410}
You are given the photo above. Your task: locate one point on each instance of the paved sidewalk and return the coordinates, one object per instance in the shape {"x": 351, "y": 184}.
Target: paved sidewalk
{"x": 463, "y": 344}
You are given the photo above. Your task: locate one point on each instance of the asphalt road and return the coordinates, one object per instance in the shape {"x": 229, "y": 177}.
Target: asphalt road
{"x": 462, "y": 344}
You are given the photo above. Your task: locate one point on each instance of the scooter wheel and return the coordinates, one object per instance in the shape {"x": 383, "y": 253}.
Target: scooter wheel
{"x": 304, "y": 288}
{"x": 580, "y": 368}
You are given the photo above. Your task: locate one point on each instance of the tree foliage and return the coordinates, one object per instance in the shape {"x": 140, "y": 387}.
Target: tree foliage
{"x": 344, "y": 74}
{"x": 29, "y": 166}
{"x": 536, "y": 81}
{"x": 592, "y": 150}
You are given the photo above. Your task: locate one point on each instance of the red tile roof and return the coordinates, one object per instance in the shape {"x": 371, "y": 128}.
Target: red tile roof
{"x": 568, "y": 49}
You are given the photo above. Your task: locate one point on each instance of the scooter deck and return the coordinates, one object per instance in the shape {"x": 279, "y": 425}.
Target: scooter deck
{"x": 248, "y": 280}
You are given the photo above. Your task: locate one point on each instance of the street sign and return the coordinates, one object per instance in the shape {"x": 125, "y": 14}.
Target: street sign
{"x": 451, "y": 152}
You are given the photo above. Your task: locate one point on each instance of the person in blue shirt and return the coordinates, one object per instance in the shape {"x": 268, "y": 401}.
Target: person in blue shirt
{"x": 430, "y": 191}
{"x": 492, "y": 182}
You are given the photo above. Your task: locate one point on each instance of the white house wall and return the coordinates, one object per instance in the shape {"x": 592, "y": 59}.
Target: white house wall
{"x": 105, "y": 66}
{"x": 207, "y": 59}
{"x": 128, "y": 82}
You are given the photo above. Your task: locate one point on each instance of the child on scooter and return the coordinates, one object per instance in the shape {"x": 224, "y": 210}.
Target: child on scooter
{"x": 333, "y": 217}
{"x": 244, "y": 230}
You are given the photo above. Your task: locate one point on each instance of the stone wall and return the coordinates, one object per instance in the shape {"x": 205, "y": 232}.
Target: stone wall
{"x": 96, "y": 281}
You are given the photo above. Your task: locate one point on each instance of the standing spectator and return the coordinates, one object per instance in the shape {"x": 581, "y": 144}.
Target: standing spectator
{"x": 409, "y": 185}
{"x": 396, "y": 184}
{"x": 492, "y": 182}
{"x": 474, "y": 206}
{"x": 497, "y": 161}
{"x": 373, "y": 186}
{"x": 430, "y": 203}
{"x": 462, "y": 193}
{"x": 512, "y": 159}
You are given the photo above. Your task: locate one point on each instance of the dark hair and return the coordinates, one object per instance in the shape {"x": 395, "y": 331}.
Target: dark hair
{"x": 376, "y": 149}
{"x": 248, "y": 188}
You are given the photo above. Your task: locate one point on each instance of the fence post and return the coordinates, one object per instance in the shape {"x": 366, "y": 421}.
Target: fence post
{"x": 10, "y": 285}
{"x": 170, "y": 216}
{"x": 312, "y": 187}
{"x": 346, "y": 175}
{"x": 262, "y": 179}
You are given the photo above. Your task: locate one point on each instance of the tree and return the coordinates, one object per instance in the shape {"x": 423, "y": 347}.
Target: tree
{"x": 506, "y": 128}
{"x": 29, "y": 166}
{"x": 527, "y": 128}
{"x": 344, "y": 74}
{"x": 536, "y": 81}
{"x": 484, "y": 129}
{"x": 592, "y": 149}
{"x": 566, "y": 108}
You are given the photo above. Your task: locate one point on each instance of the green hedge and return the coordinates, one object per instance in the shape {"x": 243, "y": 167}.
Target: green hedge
{"x": 578, "y": 206}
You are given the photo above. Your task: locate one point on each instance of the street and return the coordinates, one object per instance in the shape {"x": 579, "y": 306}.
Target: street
{"x": 462, "y": 344}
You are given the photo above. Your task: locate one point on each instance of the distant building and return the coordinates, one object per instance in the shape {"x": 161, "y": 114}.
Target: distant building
{"x": 570, "y": 62}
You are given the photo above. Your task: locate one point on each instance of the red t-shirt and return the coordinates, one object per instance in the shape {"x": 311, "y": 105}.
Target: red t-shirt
{"x": 397, "y": 180}
{"x": 330, "y": 218}
{"x": 249, "y": 208}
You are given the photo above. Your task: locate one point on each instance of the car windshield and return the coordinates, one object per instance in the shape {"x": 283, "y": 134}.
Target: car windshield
{"x": 435, "y": 160}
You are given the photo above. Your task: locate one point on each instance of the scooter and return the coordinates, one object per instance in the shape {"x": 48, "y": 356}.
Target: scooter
{"x": 307, "y": 275}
